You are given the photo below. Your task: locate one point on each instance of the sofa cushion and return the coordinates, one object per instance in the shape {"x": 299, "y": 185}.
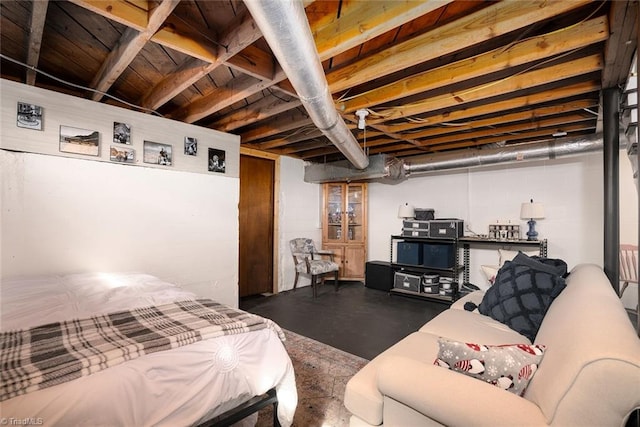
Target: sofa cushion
{"x": 362, "y": 397}
{"x": 522, "y": 293}
{"x": 593, "y": 355}
{"x": 509, "y": 367}
{"x": 461, "y": 325}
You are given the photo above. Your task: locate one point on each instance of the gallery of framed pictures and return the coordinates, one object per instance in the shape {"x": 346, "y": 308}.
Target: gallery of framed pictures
{"x": 78, "y": 140}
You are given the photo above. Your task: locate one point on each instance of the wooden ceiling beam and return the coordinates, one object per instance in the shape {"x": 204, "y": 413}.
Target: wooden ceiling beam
{"x": 530, "y": 114}
{"x": 295, "y": 121}
{"x": 526, "y": 51}
{"x": 363, "y": 20}
{"x": 124, "y": 12}
{"x": 334, "y": 41}
{"x": 527, "y": 80}
{"x": 523, "y": 52}
{"x": 499, "y": 106}
{"x": 36, "y": 28}
{"x": 530, "y": 134}
{"x": 127, "y": 48}
{"x": 622, "y": 43}
{"x": 259, "y": 110}
{"x": 238, "y": 89}
{"x": 497, "y": 19}
{"x": 477, "y": 134}
{"x": 295, "y": 149}
{"x": 241, "y": 33}
{"x": 254, "y": 62}
{"x": 304, "y": 134}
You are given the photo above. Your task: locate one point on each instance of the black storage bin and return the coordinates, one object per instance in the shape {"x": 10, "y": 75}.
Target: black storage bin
{"x": 446, "y": 228}
{"x": 409, "y": 253}
{"x": 415, "y": 232}
{"x": 423, "y": 214}
{"x": 438, "y": 255}
{"x": 378, "y": 275}
{"x": 406, "y": 281}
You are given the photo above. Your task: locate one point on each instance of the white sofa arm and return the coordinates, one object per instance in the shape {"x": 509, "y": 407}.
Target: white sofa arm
{"x": 452, "y": 398}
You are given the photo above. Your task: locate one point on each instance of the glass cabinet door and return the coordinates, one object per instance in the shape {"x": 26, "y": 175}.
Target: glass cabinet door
{"x": 335, "y": 213}
{"x": 354, "y": 215}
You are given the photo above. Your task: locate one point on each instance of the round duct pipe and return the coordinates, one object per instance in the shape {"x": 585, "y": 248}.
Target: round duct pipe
{"x": 284, "y": 25}
{"x": 510, "y": 154}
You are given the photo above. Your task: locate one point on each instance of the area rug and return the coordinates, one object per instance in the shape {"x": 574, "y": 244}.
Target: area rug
{"x": 321, "y": 373}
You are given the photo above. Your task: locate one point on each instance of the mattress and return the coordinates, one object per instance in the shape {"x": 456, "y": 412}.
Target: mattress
{"x": 177, "y": 387}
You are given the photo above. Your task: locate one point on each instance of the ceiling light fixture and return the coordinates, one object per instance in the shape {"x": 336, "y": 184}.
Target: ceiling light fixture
{"x": 559, "y": 134}
{"x": 361, "y": 115}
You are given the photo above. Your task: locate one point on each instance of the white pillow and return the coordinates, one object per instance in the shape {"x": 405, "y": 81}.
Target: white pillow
{"x": 490, "y": 272}
{"x": 506, "y": 255}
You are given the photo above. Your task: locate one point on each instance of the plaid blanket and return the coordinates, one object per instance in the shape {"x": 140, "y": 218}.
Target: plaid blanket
{"x": 48, "y": 355}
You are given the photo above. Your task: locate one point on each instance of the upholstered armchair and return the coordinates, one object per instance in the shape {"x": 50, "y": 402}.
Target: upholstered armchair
{"x": 309, "y": 260}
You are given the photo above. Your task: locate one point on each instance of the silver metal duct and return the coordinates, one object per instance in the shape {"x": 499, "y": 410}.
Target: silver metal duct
{"x": 392, "y": 170}
{"x": 381, "y": 166}
{"x": 510, "y": 154}
{"x": 284, "y": 26}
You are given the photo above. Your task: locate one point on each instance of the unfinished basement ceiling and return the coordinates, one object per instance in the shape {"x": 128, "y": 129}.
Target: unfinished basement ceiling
{"x": 433, "y": 76}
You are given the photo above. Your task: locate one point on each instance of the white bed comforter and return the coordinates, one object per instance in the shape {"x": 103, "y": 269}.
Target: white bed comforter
{"x": 178, "y": 387}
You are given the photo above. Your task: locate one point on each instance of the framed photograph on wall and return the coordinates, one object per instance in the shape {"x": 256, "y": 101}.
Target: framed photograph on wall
{"x": 157, "y": 154}
{"x": 121, "y": 133}
{"x": 216, "y": 160}
{"x": 79, "y": 141}
{"x": 29, "y": 116}
{"x": 122, "y": 154}
{"x": 190, "y": 146}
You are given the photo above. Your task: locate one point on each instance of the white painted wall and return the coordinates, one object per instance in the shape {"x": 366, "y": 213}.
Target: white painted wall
{"x": 571, "y": 190}
{"x": 73, "y": 214}
{"x": 300, "y": 208}
{"x": 628, "y": 219}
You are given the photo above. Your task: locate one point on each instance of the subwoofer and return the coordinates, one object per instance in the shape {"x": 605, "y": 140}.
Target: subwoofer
{"x": 378, "y": 275}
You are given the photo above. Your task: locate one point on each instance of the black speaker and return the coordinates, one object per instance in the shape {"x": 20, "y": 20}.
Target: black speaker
{"x": 378, "y": 275}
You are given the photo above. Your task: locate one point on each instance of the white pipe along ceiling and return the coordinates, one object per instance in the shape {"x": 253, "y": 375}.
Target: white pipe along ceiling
{"x": 284, "y": 25}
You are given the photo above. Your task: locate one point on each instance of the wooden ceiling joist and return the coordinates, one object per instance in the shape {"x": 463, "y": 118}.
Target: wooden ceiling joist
{"x": 36, "y": 27}
{"x": 527, "y": 80}
{"x": 499, "y": 18}
{"x": 523, "y": 52}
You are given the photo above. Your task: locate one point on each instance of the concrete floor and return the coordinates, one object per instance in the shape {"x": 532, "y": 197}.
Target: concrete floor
{"x": 356, "y": 319}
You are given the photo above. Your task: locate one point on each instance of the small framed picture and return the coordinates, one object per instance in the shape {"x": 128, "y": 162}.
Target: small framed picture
{"x": 121, "y": 133}
{"x": 216, "y": 160}
{"x": 157, "y": 154}
{"x": 122, "y": 154}
{"x": 29, "y": 116}
{"x": 190, "y": 146}
{"x": 79, "y": 141}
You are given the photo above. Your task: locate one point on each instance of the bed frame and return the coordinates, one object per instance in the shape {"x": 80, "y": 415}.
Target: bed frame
{"x": 244, "y": 410}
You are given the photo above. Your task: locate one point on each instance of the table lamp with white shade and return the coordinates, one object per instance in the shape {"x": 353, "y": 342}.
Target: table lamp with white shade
{"x": 532, "y": 211}
{"x": 406, "y": 211}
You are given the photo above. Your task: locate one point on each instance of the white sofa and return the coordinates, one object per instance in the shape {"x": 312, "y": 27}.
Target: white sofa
{"x": 589, "y": 375}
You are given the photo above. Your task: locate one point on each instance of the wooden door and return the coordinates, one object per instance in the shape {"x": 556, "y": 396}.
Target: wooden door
{"x": 256, "y": 211}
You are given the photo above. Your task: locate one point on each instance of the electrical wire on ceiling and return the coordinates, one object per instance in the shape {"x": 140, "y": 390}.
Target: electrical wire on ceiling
{"x": 77, "y": 86}
{"x": 389, "y": 112}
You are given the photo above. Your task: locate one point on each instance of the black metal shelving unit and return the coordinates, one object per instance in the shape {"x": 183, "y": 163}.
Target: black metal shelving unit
{"x": 458, "y": 268}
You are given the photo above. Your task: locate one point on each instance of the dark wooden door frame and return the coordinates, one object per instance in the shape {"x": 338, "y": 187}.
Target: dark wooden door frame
{"x": 276, "y": 208}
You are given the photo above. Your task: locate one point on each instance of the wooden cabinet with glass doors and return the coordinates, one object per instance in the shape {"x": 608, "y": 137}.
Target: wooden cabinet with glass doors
{"x": 344, "y": 227}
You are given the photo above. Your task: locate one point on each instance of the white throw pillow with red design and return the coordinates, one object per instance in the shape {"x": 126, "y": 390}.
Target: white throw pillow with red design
{"x": 509, "y": 367}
